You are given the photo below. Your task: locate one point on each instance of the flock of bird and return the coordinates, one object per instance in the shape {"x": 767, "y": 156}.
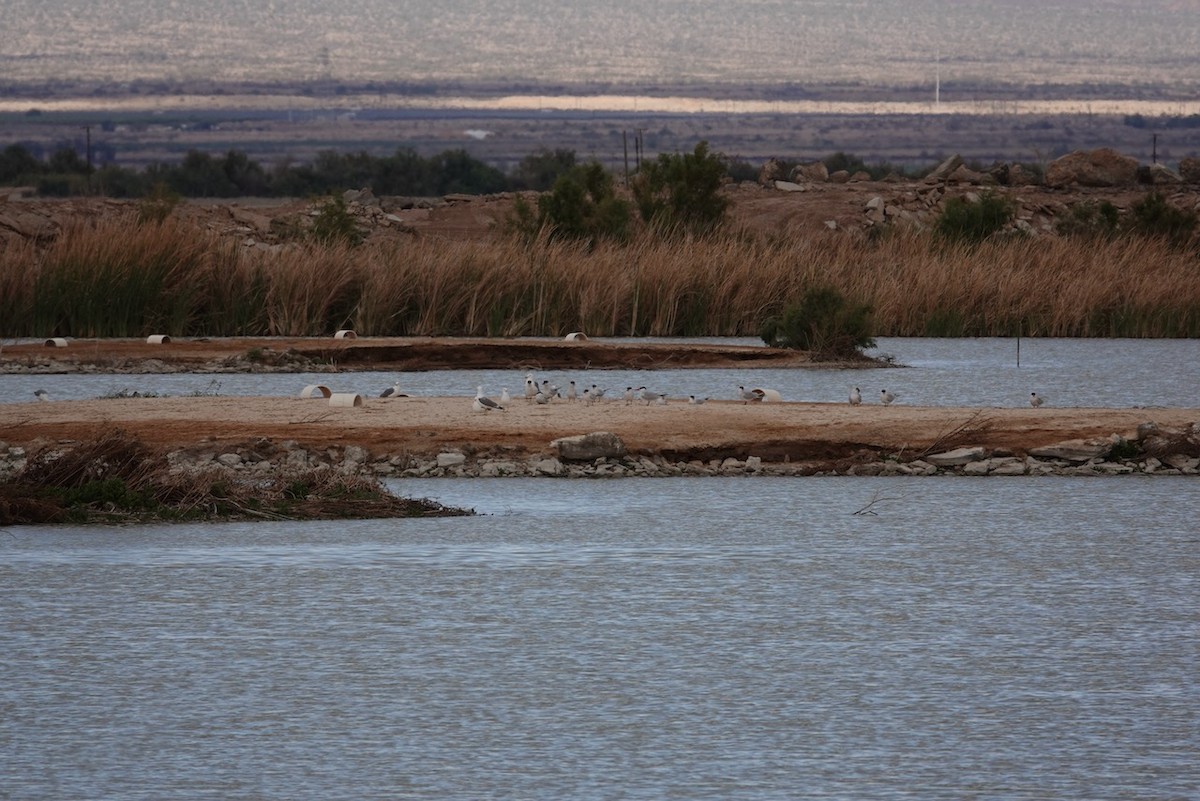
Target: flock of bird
{"x": 545, "y": 392}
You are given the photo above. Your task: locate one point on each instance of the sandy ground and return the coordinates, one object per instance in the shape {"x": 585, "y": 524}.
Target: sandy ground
{"x": 679, "y": 431}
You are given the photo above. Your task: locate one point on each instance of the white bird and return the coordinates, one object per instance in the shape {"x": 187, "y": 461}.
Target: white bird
{"x": 41, "y": 395}
{"x": 541, "y": 397}
{"x": 747, "y": 395}
{"x": 1035, "y": 400}
{"x": 692, "y": 399}
{"x": 649, "y": 397}
{"x": 571, "y": 393}
{"x": 505, "y": 398}
{"x": 530, "y": 387}
{"x": 484, "y": 404}
{"x": 886, "y": 397}
{"x": 855, "y": 396}
{"x": 587, "y": 397}
{"x": 393, "y": 392}
{"x": 597, "y": 393}
{"x": 628, "y": 396}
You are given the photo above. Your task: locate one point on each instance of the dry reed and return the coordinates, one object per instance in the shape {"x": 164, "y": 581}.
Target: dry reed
{"x": 121, "y": 278}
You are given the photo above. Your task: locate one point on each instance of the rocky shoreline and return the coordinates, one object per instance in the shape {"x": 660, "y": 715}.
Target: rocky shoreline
{"x": 1155, "y": 451}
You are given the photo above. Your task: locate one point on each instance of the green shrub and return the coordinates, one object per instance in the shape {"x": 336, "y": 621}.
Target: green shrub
{"x": 157, "y": 205}
{"x": 1090, "y": 219}
{"x": 682, "y": 191}
{"x": 582, "y": 205}
{"x": 1154, "y": 216}
{"x": 972, "y": 221}
{"x": 334, "y": 224}
{"x": 824, "y": 324}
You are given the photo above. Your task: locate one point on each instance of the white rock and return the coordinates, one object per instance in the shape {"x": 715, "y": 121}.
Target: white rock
{"x": 956, "y": 457}
{"x": 450, "y": 459}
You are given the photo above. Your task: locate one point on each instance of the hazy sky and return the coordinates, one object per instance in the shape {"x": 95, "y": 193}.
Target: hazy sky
{"x": 885, "y": 42}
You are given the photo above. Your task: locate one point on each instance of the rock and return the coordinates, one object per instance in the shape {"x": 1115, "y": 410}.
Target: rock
{"x": 1146, "y": 430}
{"x": 29, "y": 225}
{"x": 1101, "y": 167}
{"x": 860, "y": 176}
{"x": 1182, "y": 462}
{"x": 1007, "y": 467}
{"x": 494, "y": 469}
{"x": 1073, "y": 450}
{"x": 754, "y": 463}
{"x": 450, "y": 459}
{"x": 979, "y": 468}
{"x": 839, "y": 177}
{"x": 357, "y": 454}
{"x": 1162, "y": 175}
{"x": 230, "y": 459}
{"x": 876, "y": 202}
{"x": 548, "y": 467}
{"x": 589, "y": 447}
{"x": 815, "y": 172}
{"x": 965, "y": 175}
{"x": 771, "y": 171}
{"x": 788, "y": 186}
{"x": 943, "y": 171}
{"x": 956, "y": 457}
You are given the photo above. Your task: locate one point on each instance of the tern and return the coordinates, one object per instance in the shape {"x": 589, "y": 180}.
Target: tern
{"x": 747, "y": 395}
{"x": 1035, "y": 400}
{"x": 855, "y": 397}
{"x": 886, "y": 397}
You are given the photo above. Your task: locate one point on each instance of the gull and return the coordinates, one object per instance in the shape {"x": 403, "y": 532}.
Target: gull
{"x": 393, "y": 392}
{"x": 886, "y": 397}
{"x": 1035, "y": 400}
{"x": 41, "y": 395}
{"x": 855, "y": 397}
{"x": 484, "y": 404}
{"x": 747, "y": 395}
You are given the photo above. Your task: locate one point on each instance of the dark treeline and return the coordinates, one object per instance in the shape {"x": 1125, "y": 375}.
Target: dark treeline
{"x": 234, "y": 174}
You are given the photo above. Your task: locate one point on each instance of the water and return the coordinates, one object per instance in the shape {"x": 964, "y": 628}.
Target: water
{"x": 674, "y": 638}
{"x": 1113, "y": 373}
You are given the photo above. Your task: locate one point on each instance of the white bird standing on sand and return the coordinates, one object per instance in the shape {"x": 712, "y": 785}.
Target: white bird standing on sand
{"x": 628, "y": 396}
{"x": 505, "y": 398}
{"x": 41, "y": 394}
{"x": 747, "y": 395}
{"x": 597, "y": 393}
{"x": 484, "y": 404}
{"x": 693, "y": 400}
{"x": 1035, "y": 400}
{"x": 571, "y": 393}
{"x": 530, "y": 387}
{"x": 886, "y": 397}
{"x": 393, "y": 392}
{"x": 855, "y": 396}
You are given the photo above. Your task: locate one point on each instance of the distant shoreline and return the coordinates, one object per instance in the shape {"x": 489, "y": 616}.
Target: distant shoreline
{"x": 589, "y": 103}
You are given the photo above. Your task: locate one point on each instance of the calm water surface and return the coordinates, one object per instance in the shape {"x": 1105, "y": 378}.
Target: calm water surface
{"x": 1120, "y": 373}
{"x": 674, "y": 638}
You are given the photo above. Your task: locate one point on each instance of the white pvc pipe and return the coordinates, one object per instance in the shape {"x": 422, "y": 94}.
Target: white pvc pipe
{"x": 315, "y": 389}
{"x": 576, "y": 336}
{"x": 345, "y": 333}
{"x": 158, "y": 339}
{"x": 345, "y": 399}
{"x": 56, "y": 342}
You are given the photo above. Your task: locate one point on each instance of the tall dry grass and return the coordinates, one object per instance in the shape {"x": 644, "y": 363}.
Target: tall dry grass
{"x": 122, "y": 278}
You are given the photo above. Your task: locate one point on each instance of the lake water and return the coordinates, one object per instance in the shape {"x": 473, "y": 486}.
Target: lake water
{"x": 1120, "y": 373}
{"x": 711, "y": 638}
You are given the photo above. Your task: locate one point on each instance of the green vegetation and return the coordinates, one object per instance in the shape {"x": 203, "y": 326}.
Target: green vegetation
{"x": 973, "y": 221}
{"x": 681, "y": 191}
{"x": 117, "y": 479}
{"x": 1153, "y": 216}
{"x": 824, "y": 324}
{"x": 582, "y": 205}
{"x": 1090, "y": 219}
{"x": 335, "y": 225}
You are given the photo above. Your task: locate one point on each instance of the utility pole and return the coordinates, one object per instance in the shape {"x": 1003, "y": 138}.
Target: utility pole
{"x": 87, "y": 129}
{"x": 1154, "y": 149}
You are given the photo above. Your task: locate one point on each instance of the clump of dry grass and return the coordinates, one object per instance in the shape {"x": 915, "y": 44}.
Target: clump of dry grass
{"x": 115, "y": 478}
{"x": 124, "y": 278}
